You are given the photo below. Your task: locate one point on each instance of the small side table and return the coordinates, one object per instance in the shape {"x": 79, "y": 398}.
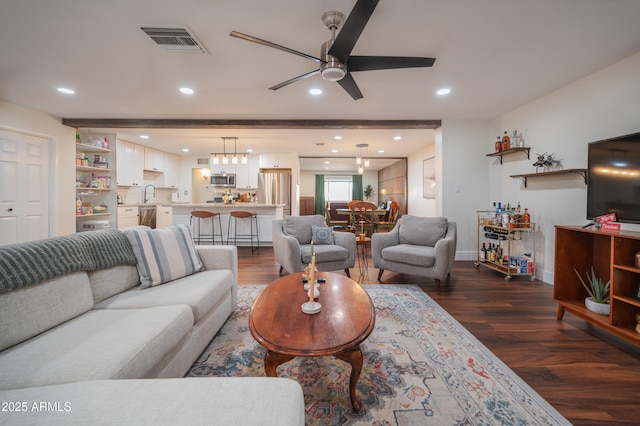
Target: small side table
{"x": 363, "y": 257}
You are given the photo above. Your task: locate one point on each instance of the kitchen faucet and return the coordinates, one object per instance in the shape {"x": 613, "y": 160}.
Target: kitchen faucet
{"x": 145, "y": 199}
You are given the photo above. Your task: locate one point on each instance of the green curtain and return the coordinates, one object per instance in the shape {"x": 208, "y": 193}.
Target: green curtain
{"x": 319, "y": 200}
{"x": 356, "y": 191}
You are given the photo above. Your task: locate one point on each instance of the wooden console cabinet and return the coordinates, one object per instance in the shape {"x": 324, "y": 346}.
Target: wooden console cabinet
{"x": 612, "y": 255}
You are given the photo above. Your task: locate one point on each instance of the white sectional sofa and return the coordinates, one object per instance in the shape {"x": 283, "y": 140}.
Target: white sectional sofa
{"x": 69, "y": 339}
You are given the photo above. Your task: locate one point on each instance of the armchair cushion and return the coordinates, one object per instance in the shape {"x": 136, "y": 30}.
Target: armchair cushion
{"x": 422, "y": 231}
{"x": 299, "y": 227}
{"x": 410, "y": 254}
{"x": 324, "y": 253}
{"x": 321, "y": 235}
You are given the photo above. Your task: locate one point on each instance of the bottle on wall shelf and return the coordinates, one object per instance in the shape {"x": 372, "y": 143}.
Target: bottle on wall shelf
{"x": 499, "y": 144}
{"x": 506, "y": 142}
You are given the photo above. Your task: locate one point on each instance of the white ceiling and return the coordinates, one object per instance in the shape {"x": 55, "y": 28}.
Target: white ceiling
{"x": 495, "y": 55}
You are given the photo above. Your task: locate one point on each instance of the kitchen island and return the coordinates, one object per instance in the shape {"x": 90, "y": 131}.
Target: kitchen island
{"x": 267, "y": 213}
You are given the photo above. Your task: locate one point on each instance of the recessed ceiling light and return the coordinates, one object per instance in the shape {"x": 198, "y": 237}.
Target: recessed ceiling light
{"x": 315, "y": 92}
{"x": 327, "y": 162}
{"x": 443, "y": 92}
{"x": 186, "y": 90}
{"x": 334, "y": 150}
{"x": 338, "y": 137}
{"x": 249, "y": 150}
{"x": 185, "y": 149}
{"x": 66, "y": 90}
{"x": 381, "y": 151}
{"x": 397, "y": 138}
{"x": 144, "y": 136}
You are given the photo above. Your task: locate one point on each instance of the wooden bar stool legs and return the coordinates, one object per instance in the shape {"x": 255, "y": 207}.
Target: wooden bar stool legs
{"x": 200, "y": 217}
{"x": 253, "y": 220}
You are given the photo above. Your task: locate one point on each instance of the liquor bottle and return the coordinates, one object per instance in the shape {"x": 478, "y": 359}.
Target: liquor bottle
{"x": 499, "y": 144}
{"x": 483, "y": 253}
{"x": 492, "y": 253}
{"x": 526, "y": 218}
{"x": 506, "y": 142}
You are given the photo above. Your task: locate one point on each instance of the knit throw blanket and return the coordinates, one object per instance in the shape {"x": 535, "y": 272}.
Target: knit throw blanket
{"x": 29, "y": 263}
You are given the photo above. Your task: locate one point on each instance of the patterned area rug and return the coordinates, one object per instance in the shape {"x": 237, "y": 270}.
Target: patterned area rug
{"x": 420, "y": 367}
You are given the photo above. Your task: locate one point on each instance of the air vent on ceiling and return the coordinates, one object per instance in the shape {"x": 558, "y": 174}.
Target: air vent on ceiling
{"x": 203, "y": 161}
{"x": 175, "y": 38}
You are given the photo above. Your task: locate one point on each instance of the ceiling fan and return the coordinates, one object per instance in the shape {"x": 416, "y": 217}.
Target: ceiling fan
{"x": 336, "y": 62}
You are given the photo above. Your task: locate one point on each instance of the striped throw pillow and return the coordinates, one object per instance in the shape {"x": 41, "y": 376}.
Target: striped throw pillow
{"x": 163, "y": 254}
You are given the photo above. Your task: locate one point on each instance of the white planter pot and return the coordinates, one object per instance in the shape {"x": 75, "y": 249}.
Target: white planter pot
{"x": 598, "y": 308}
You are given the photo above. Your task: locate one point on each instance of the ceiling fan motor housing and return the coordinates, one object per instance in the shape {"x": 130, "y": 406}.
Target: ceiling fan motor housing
{"x": 332, "y": 69}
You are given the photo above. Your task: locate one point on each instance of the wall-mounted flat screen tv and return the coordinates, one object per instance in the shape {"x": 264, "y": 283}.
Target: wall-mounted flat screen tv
{"x": 614, "y": 178}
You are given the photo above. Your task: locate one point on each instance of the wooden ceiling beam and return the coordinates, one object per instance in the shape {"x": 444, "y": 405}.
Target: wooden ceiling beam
{"x": 120, "y": 123}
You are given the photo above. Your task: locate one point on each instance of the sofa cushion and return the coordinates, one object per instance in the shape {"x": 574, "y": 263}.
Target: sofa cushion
{"x": 108, "y": 282}
{"x": 324, "y": 253}
{"x": 29, "y": 311}
{"x": 164, "y": 254}
{"x": 230, "y": 401}
{"x": 299, "y": 227}
{"x": 99, "y": 344}
{"x": 201, "y": 292}
{"x": 422, "y": 231}
{"x": 322, "y": 235}
{"x": 410, "y": 254}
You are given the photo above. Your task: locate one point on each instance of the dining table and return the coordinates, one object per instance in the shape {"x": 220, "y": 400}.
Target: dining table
{"x": 365, "y": 219}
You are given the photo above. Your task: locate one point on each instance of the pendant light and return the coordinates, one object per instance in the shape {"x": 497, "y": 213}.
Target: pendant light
{"x": 360, "y": 146}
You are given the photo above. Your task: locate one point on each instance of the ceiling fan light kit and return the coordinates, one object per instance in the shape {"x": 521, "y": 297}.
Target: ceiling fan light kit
{"x": 336, "y": 62}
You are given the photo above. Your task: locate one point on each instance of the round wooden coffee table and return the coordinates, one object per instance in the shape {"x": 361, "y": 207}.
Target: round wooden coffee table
{"x": 345, "y": 320}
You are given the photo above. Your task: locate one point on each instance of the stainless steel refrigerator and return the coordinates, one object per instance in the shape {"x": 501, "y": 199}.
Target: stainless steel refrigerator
{"x": 274, "y": 187}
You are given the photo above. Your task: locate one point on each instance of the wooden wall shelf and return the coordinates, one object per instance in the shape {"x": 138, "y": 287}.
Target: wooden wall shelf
{"x": 524, "y": 177}
{"x": 501, "y": 154}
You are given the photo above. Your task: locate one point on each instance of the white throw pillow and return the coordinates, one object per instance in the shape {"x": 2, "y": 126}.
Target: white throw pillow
{"x": 164, "y": 254}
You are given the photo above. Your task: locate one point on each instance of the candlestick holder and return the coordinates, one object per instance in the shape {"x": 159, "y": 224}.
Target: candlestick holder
{"x": 311, "y": 307}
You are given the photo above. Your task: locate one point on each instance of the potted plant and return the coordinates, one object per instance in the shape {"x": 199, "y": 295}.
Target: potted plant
{"x": 367, "y": 191}
{"x": 598, "y": 300}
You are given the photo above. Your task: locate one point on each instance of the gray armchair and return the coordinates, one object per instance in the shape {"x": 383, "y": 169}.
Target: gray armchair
{"x": 292, "y": 245}
{"x": 416, "y": 245}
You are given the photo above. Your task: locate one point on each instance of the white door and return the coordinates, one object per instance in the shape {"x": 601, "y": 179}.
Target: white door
{"x": 24, "y": 188}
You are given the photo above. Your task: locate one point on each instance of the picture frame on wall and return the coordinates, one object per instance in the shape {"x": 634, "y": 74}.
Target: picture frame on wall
{"x": 429, "y": 187}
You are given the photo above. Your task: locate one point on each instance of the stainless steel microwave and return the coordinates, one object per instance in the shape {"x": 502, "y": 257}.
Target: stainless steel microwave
{"x": 223, "y": 180}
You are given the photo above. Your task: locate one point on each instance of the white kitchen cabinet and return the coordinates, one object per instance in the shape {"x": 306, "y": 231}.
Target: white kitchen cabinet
{"x": 247, "y": 174}
{"x": 171, "y": 171}
{"x": 223, "y": 168}
{"x": 153, "y": 160}
{"x": 164, "y": 216}
{"x": 130, "y": 158}
{"x": 127, "y": 216}
{"x": 279, "y": 160}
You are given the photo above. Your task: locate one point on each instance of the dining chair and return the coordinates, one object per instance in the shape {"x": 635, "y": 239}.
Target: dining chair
{"x": 392, "y": 217}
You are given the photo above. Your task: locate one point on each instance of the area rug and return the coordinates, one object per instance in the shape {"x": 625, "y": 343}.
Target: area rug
{"x": 421, "y": 367}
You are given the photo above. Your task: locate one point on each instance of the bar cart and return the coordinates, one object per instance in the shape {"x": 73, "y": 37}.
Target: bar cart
{"x": 514, "y": 246}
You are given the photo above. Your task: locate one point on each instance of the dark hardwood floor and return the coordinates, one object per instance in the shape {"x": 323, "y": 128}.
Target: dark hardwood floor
{"x": 589, "y": 376}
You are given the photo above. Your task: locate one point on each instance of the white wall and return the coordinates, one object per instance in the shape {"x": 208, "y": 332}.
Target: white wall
{"x": 62, "y": 167}
{"x": 602, "y": 105}
{"x": 416, "y": 204}
{"x": 462, "y": 172}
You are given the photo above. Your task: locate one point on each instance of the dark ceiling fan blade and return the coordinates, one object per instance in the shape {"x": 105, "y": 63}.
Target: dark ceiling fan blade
{"x": 349, "y": 84}
{"x": 352, "y": 28}
{"x": 370, "y": 63}
{"x": 275, "y": 46}
{"x": 293, "y": 80}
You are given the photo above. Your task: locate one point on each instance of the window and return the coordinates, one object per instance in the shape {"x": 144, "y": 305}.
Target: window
{"x": 337, "y": 188}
